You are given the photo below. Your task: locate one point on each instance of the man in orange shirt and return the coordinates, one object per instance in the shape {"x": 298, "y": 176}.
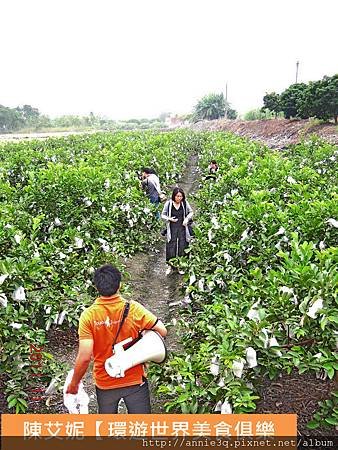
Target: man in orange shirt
{"x": 98, "y": 329}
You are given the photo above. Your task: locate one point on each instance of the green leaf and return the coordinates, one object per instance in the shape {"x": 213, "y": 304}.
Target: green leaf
{"x": 333, "y": 319}
{"x": 184, "y": 408}
{"x": 213, "y": 390}
{"x": 194, "y": 407}
{"x": 23, "y": 402}
{"x": 183, "y": 397}
{"x": 330, "y": 372}
{"x": 331, "y": 421}
{"x": 12, "y": 403}
{"x": 19, "y": 408}
{"x": 323, "y": 323}
{"x": 313, "y": 424}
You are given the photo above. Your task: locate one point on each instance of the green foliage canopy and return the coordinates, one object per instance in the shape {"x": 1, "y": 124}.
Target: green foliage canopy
{"x": 272, "y": 102}
{"x": 210, "y": 107}
{"x": 291, "y": 98}
{"x": 316, "y": 99}
{"x": 10, "y": 119}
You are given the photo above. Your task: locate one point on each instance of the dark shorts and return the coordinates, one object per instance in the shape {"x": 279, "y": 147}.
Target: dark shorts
{"x": 136, "y": 398}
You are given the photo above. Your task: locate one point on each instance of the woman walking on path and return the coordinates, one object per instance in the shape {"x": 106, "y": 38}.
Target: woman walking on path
{"x": 177, "y": 213}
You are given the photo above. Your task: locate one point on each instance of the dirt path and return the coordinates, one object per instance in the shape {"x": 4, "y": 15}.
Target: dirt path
{"x": 149, "y": 283}
{"x": 149, "y": 286}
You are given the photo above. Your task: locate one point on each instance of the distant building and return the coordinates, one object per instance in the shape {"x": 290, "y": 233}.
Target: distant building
{"x": 175, "y": 121}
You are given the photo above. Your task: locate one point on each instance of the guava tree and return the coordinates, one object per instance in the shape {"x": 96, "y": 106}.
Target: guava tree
{"x": 320, "y": 99}
{"x": 291, "y": 99}
{"x": 272, "y": 102}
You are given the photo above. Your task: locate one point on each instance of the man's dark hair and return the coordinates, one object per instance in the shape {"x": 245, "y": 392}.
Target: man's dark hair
{"x": 107, "y": 280}
{"x": 176, "y": 191}
{"x": 213, "y": 162}
{"x": 148, "y": 171}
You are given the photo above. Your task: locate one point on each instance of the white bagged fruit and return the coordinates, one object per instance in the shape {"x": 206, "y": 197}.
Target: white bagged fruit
{"x": 313, "y": 310}
{"x": 75, "y": 403}
{"x": 266, "y": 337}
{"x": 3, "y": 300}
{"x": 51, "y": 389}
{"x": 3, "y": 278}
{"x": 19, "y": 294}
{"x": 251, "y": 357}
{"x": 226, "y": 407}
{"x": 253, "y": 312}
{"x": 218, "y": 406}
{"x": 237, "y": 367}
{"x": 274, "y": 343}
{"x": 214, "y": 366}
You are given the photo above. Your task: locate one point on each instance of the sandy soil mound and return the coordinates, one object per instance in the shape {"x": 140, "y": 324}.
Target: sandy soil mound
{"x": 275, "y": 133}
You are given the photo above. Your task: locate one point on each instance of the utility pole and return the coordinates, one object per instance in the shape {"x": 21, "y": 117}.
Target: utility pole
{"x": 226, "y": 91}
{"x": 297, "y": 65}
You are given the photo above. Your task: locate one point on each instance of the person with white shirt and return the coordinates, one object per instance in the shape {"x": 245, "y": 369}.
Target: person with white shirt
{"x": 151, "y": 184}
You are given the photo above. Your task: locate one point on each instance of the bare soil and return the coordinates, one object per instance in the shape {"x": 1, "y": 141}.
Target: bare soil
{"x": 275, "y": 133}
{"x": 296, "y": 394}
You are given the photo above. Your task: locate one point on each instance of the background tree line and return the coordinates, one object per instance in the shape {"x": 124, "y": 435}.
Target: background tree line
{"x": 30, "y": 119}
{"x": 15, "y": 118}
{"x": 316, "y": 99}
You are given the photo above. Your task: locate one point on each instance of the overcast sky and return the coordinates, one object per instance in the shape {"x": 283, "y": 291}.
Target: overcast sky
{"x": 138, "y": 58}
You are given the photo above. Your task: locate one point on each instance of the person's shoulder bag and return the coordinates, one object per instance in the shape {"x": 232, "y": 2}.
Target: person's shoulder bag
{"x": 163, "y": 197}
{"x": 124, "y": 316}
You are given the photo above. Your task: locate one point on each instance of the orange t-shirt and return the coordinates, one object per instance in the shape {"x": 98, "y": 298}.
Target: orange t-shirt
{"x": 100, "y": 322}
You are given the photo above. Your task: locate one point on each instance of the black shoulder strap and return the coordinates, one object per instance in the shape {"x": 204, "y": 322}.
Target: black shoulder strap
{"x": 125, "y": 314}
{"x": 184, "y": 204}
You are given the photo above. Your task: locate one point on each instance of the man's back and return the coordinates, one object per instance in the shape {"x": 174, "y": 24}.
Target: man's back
{"x": 99, "y": 329}
{"x": 100, "y": 322}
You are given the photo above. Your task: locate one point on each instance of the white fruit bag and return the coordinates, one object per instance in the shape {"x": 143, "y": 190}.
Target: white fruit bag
{"x": 75, "y": 403}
